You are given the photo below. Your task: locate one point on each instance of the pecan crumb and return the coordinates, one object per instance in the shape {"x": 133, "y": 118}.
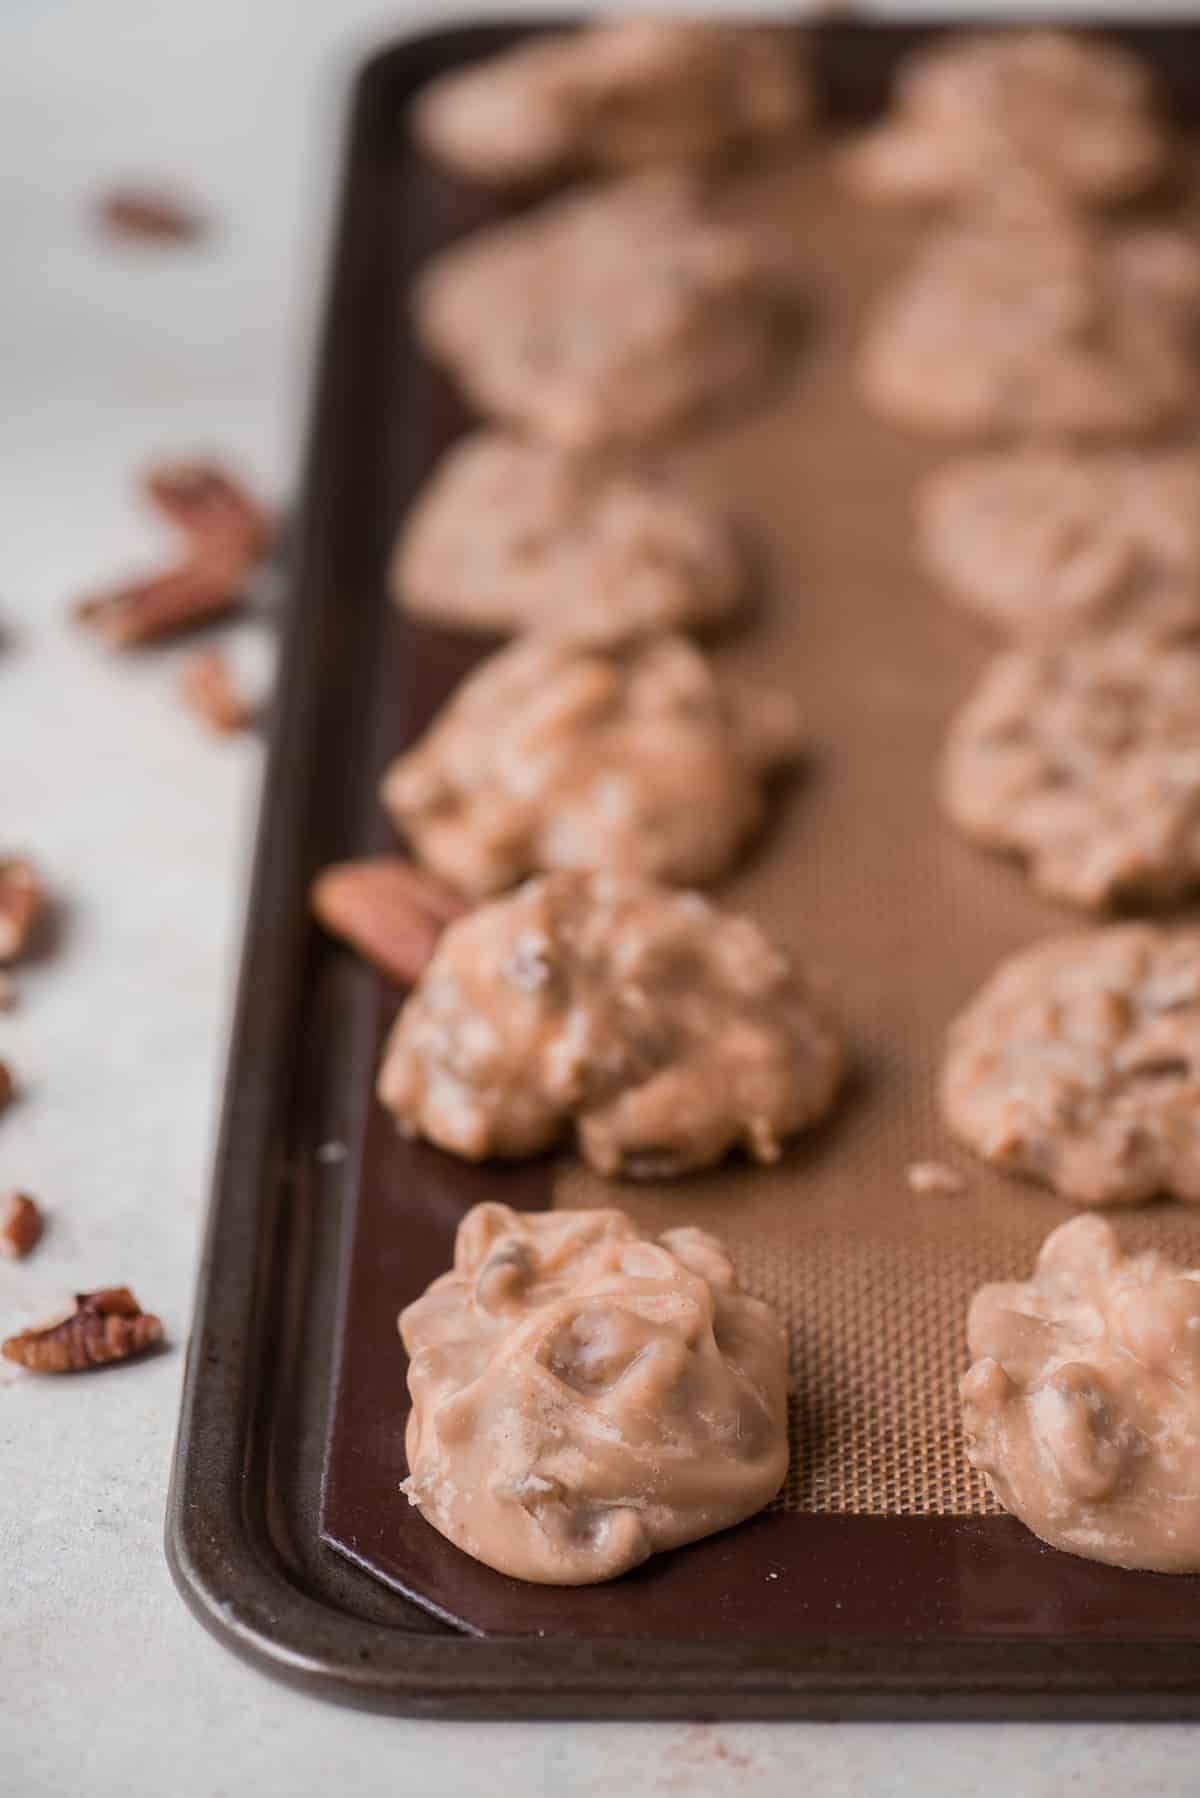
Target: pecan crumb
{"x": 387, "y": 909}
{"x": 22, "y": 901}
{"x": 150, "y": 215}
{"x": 105, "y": 1326}
{"x": 20, "y": 1225}
{"x": 933, "y": 1176}
{"x": 8, "y": 1085}
{"x": 210, "y": 691}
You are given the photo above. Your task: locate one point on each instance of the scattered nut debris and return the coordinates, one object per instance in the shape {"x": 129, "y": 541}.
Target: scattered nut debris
{"x": 20, "y": 1225}
{"x": 209, "y": 506}
{"x": 387, "y": 909}
{"x": 226, "y": 530}
{"x": 22, "y": 901}
{"x": 933, "y": 1176}
{"x": 210, "y": 691}
{"x": 149, "y": 215}
{"x": 144, "y": 611}
{"x": 105, "y": 1326}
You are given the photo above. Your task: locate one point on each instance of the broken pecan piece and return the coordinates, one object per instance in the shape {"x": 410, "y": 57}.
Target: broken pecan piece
{"x": 20, "y": 1225}
{"x": 173, "y": 601}
{"x": 209, "y": 690}
{"x": 387, "y": 909}
{"x": 933, "y": 1177}
{"x": 149, "y": 215}
{"x": 105, "y": 1326}
{"x": 8, "y": 1085}
{"x": 210, "y": 507}
{"x": 22, "y": 901}
{"x": 225, "y": 529}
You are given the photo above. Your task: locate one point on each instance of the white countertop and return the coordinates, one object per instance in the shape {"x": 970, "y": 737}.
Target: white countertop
{"x": 142, "y": 823}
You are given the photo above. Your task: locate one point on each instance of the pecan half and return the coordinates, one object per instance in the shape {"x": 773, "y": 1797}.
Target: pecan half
{"x": 210, "y": 507}
{"x": 143, "y": 611}
{"x": 20, "y": 1225}
{"x": 209, "y": 690}
{"x": 105, "y": 1326}
{"x": 149, "y": 215}
{"x": 224, "y": 528}
{"x": 22, "y": 901}
{"x": 387, "y": 909}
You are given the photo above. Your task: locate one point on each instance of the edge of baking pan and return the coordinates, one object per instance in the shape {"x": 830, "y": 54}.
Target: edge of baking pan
{"x": 222, "y": 1551}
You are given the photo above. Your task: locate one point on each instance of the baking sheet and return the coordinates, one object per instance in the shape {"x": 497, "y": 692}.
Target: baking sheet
{"x": 879, "y": 1585}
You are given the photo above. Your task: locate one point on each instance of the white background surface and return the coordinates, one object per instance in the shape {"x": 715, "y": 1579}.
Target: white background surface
{"x": 142, "y": 824}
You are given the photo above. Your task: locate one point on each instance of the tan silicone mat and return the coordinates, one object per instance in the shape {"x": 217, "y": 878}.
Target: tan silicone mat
{"x": 859, "y": 876}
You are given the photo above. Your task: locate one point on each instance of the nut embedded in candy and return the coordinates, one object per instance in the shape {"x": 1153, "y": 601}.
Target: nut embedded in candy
{"x": 512, "y": 536}
{"x": 1043, "y": 543}
{"x": 1083, "y": 1404}
{"x": 605, "y": 316}
{"x": 1078, "y": 1063}
{"x": 989, "y": 112}
{"x": 631, "y": 758}
{"x": 1037, "y": 325}
{"x": 664, "y": 1032}
{"x": 585, "y": 1397}
{"x": 618, "y": 94}
{"x": 1084, "y": 761}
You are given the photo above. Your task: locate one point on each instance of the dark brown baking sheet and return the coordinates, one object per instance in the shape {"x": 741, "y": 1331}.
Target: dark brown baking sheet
{"x": 880, "y": 1586}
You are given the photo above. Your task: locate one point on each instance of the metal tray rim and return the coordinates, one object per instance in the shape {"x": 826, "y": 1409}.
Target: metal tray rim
{"x": 231, "y": 1578}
